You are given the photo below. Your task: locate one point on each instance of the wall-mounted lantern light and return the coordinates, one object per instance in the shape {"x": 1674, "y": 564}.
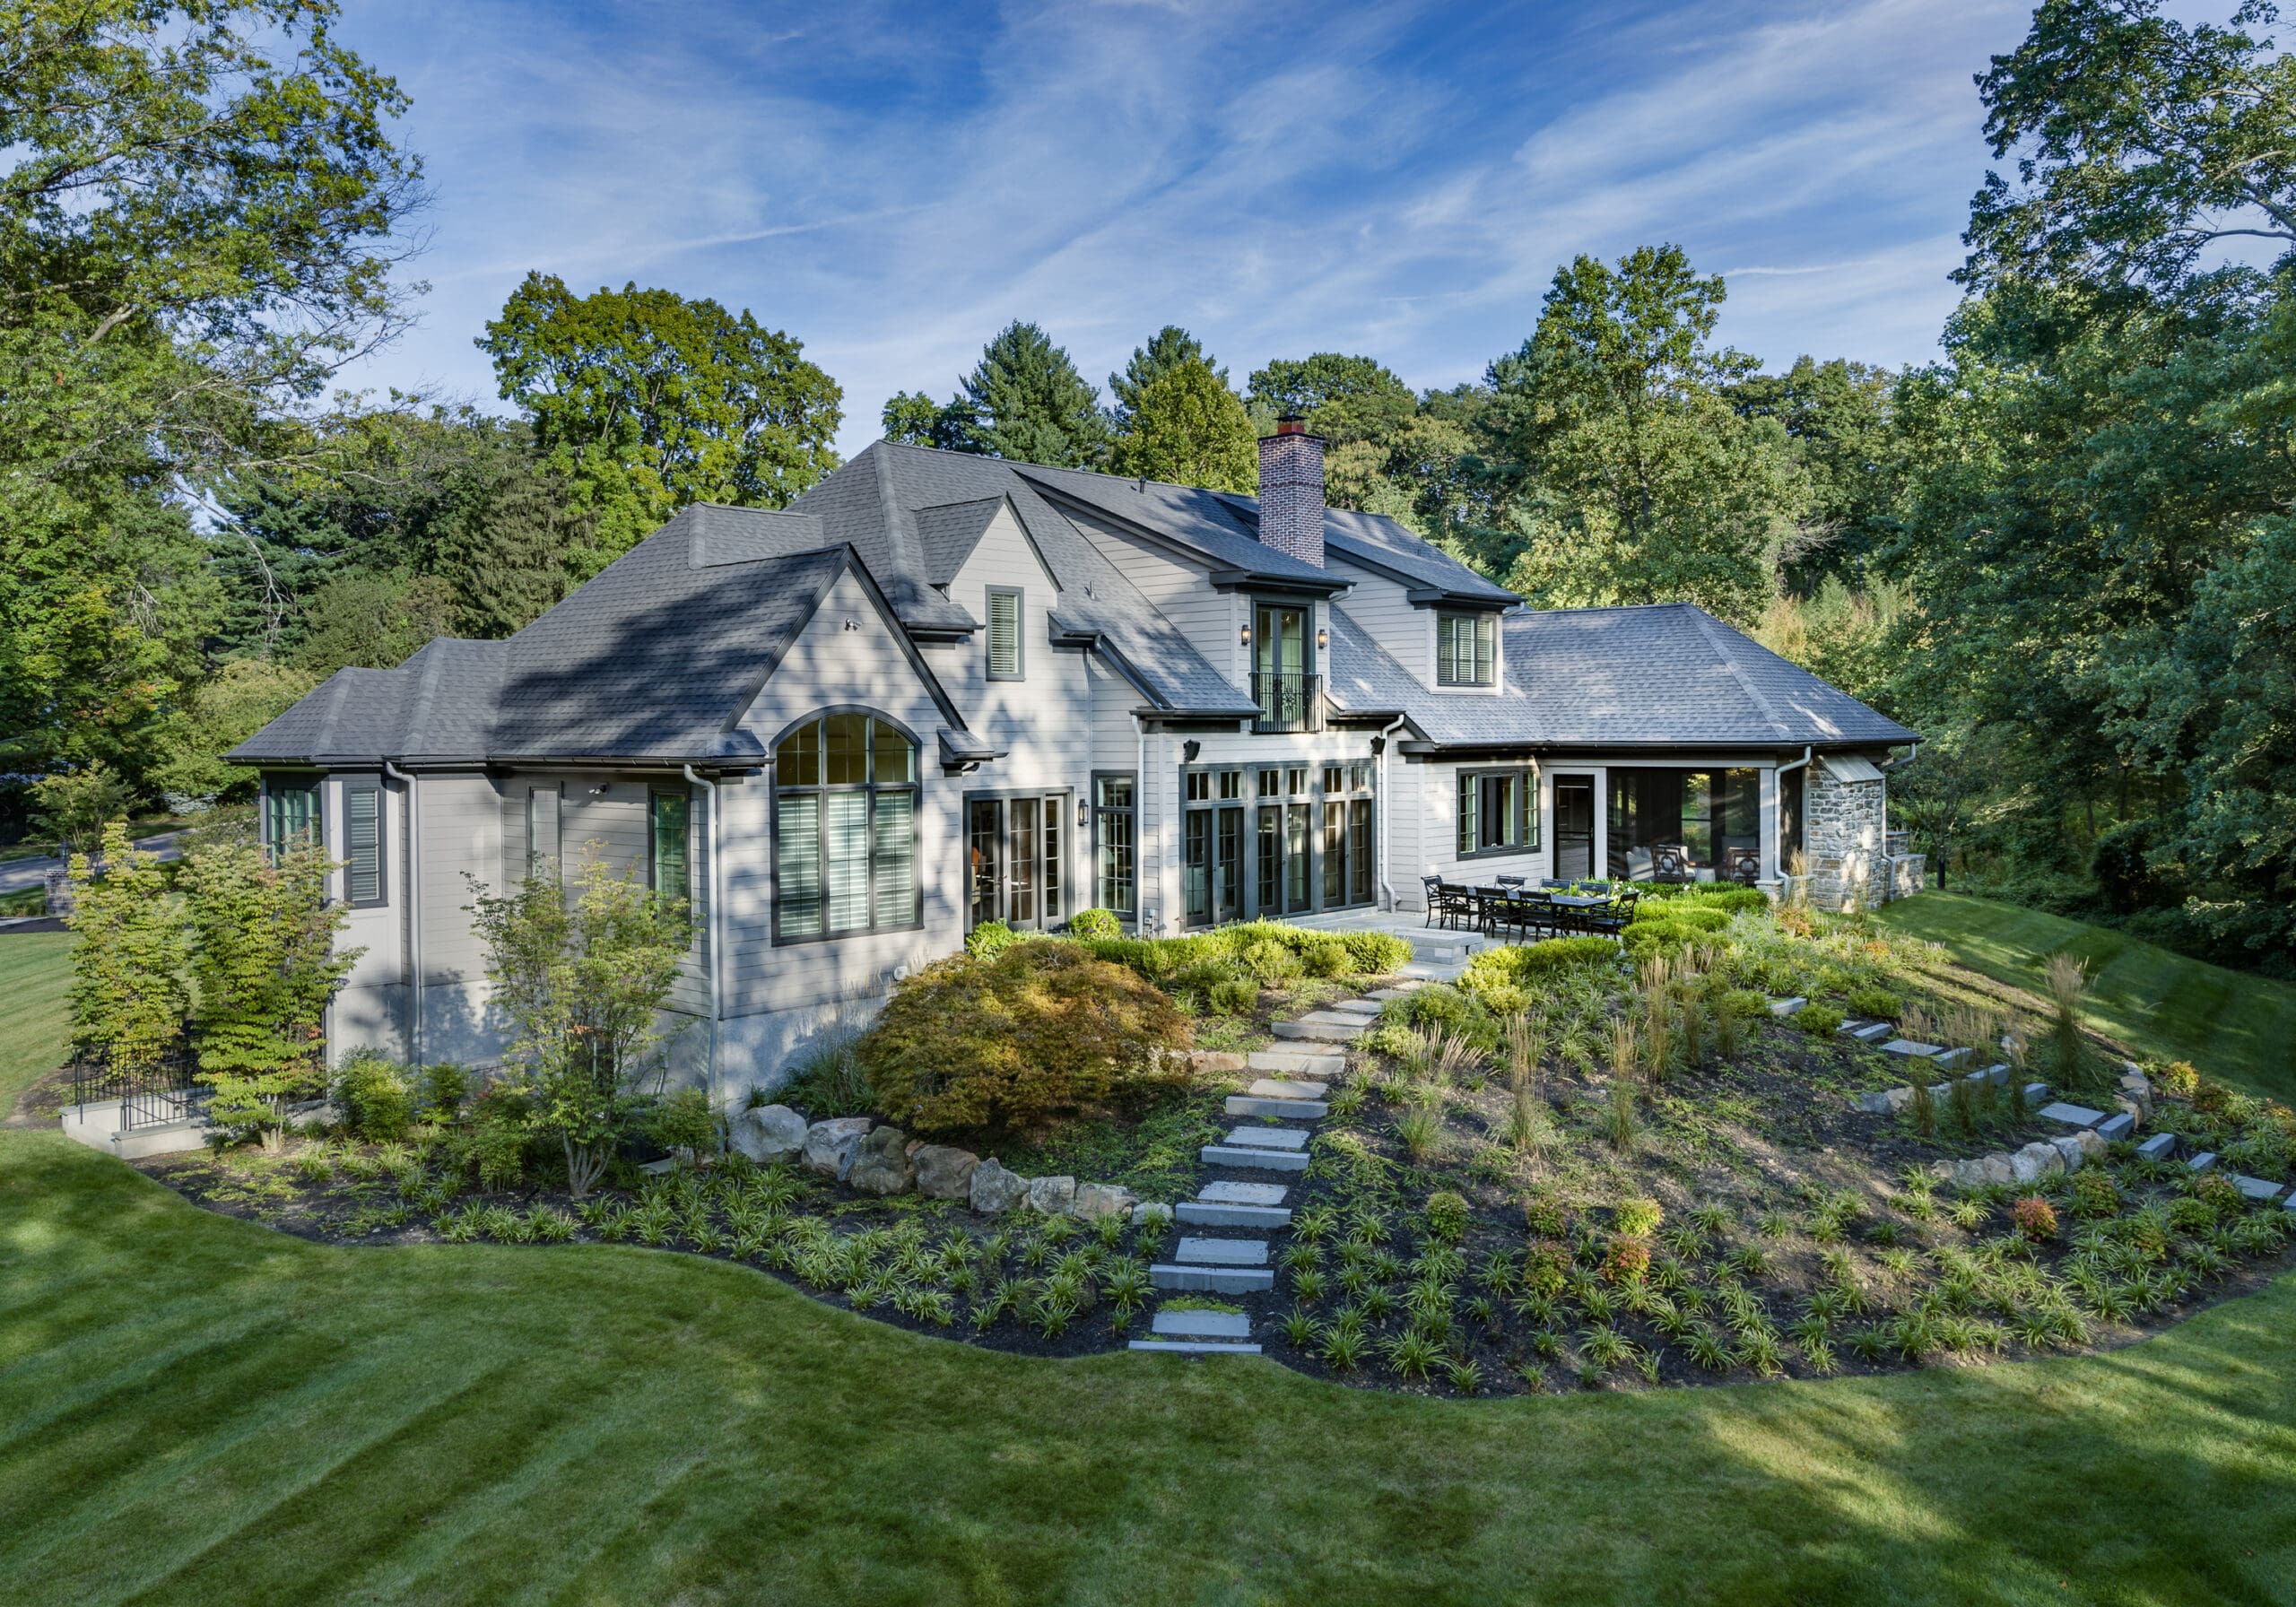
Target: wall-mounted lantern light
{"x": 1323, "y": 639}
{"x": 1083, "y": 812}
{"x": 1190, "y": 750}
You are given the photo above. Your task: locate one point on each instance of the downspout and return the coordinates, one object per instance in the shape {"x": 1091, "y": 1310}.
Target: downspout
{"x": 717, "y": 942}
{"x": 1387, "y": 820}
{"x": 1139, "y": 817}
{"x": 413, "y": 857}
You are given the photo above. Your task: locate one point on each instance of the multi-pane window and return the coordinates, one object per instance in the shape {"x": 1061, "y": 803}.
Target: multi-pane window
{"x": 363, "y": 831}
{"x": 845, "y": 810}
{"x": 1497, "y": 812}
{"x": 292, "y": 813}
{"x": 667, "y": 815}
{"x": 1005, "y": 633}
{"x": 1113, "y": 823}
{"x": 1466, "y": 649}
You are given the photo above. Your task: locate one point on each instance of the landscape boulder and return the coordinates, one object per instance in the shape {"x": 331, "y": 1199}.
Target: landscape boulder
{"x": 2036, "y": 1161}
{"x": 769, "y": 1132}
{"x": 1998, "y": 1168}
{"x": 1152, "y": 1211}
{"x": 831, "y": 1146}
{"x": 2093, "y": 1143}
{"x": 944, "y": 1172}
{"x": 1052, "y": 1197}
{"x": 882, "y": 1165}
{"x": 995, "y": 1190}
{"x": 1097, "y": 1200}
{"x": 2070, "y": 1150}
{"x": 1215, "y": 1060}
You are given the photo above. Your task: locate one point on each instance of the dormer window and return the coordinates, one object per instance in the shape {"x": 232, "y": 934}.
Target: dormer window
{"x": 1466, "y": 649}
{"x": 1004, "y": 662}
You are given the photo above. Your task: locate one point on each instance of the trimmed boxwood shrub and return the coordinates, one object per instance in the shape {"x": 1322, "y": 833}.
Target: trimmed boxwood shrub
{"x": 1819, "y": 1021}
{"x": 377, "y": 1099}
{"x": 1095, "y": 922}
{"x": 1729, "y": 897}
{"x": 1044, "y": 1030}
{"x": 1376, "y": 953}
{"x": 1697, "y": 917}
{"x": 1878, "y": 1003}
{"x": 1496, "y": 974}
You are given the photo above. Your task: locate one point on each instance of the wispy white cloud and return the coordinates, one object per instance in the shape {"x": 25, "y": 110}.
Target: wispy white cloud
{"x": 891, "y": 185}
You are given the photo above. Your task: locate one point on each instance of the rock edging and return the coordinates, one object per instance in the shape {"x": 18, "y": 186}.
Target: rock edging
{"x": 882, "y": 1160}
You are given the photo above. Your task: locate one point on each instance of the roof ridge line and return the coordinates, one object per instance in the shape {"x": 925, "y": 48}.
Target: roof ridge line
{"x": 1709, "y": 626}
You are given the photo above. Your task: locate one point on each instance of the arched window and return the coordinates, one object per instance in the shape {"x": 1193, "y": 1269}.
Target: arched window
{"x": 844, "y": 827}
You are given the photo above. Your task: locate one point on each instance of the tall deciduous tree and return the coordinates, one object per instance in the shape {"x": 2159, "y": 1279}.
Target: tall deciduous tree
{"x": 648, "y": 401}
{"x": 201, "y": 213}
{"x": 127, "y": 998}
{"x": 1168, "y": 349}
{"x": 1636, "y": 483}
{"x": 1189, "y": 429}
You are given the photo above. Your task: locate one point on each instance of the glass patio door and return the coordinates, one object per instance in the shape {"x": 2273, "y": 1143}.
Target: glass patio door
{"x": 1013, "y": 848}
{"x": 1574, "y": 828}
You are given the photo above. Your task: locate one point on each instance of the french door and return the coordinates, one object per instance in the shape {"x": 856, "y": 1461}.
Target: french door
{"x": 1574, "y": 828}
{"x": 1013, "y": 862}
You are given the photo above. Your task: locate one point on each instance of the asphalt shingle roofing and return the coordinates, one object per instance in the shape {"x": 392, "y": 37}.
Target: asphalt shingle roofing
{"x": 654, "y": 659}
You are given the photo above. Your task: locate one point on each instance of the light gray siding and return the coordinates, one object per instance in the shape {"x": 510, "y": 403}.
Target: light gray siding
{"x": 1182, "y": 593}
{"x": 1388, "y": 618}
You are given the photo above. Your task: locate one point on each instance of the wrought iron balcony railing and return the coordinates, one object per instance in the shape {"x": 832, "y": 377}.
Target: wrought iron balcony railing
{"x": 1288, "y": 701}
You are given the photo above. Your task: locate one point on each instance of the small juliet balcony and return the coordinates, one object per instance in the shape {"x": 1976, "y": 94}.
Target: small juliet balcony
{"x": 1288, "y": 701}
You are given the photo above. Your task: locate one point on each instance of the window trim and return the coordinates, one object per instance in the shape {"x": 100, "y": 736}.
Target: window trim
{"x": 654, "y": 840}
{"x": 557, "y": 791}
{"x": 1132, "y": 811}
{"x": 382, "y": 899}
{"x": 913, "y": 786}
{"x": 1020, "y": 670}
{"x": 1526, "y": 811}
{"x": 313, "y": 782}
{"x": 1446, "y": 673}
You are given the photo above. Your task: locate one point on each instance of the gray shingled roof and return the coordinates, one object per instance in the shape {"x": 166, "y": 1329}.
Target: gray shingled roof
{"x": 651, "y": 661}
{"x": 1668, "y": 674}
{"x": 1206, "y": 522}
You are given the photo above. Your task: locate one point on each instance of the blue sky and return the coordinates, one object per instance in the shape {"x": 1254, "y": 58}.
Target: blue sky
{"x": 891, "y": 185}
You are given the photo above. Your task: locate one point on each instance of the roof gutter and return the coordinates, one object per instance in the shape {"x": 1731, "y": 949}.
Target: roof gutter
{"x": 717, "y": 944}
{"x": 414, "y": 858}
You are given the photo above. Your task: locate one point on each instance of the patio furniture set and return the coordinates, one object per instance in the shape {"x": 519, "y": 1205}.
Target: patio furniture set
{"x": 1510, "y": 905}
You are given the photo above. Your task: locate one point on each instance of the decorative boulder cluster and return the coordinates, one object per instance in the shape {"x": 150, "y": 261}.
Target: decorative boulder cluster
{"x": 2092, "y": 1133}
{"x": 885, "y": 1161}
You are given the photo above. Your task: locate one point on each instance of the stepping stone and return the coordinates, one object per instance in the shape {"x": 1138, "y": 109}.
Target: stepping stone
{"x": 1336, "y": 1028}
{"x": 1996, "y": 1073}
{"x": 2257, "y": 1190}
{"x": 1277, "y": 1088}
{"x": 2161, "y": 1146}
{"x": 1955, "y": 1059}
{"x": 1299, "y": 1062}
{"x": 1307, "y": 1110}
{"x": 1198, "y": 1215}
{"x": 2204, "y": 1162}
{"x": 1201, "y": 1325}
{"x": 1222, "y": 1252}
{"x": 1905, "y": 1045}
{"x": 1402, "y": 990}
{"x": 1367, "y": 1008}
{"x": 1782, "y": 1008}
{"x": 2036, "y": 1093}
{"x": 2071, "y": 1116}
{"x": 1267, "y": 1138}
{"x": 1212, "y": 1280}
{"x": 1265, "y": 1161}
{"x": 1193, "y": 1347}
{"x": 1227, "y": 1193}
{"x": 2116, "y": 1126}
{"x": 1870, "y": 1032}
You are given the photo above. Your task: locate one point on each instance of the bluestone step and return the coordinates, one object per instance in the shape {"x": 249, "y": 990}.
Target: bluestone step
{"x": 1193, "y": 1347}
{"x": 1305, "y": 1110}
{"x": 1299, "y": 1062}
{"x": 1213, "y": 1280}
{"x": 2257, "y": 1190}
{"x": 1785, "y": 1007}
{"x": 2161, "y": 1146}
{"x": 1201, "y": 1325}
{"x": 1222, "y": 1252}
{"x": 1228, "y": 1193}
{"x": 1362, "y": 1007}
{"x": 1268, "y": 1138}
{"x": 2071, "y": 1116}
{"x": 1278, "y": 1087}
{"x": 1905, "y": 1045}
{"x": 1340, "y": 1029}
{"x": 1202, "y": 1214}
{"x": 1401, "y": 990}
{"x": 1264, "y": 1160}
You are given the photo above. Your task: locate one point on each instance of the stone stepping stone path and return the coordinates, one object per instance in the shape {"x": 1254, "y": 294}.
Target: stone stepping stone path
{"x": 2071, "y": 1116}
{"x": 1289, "y": 1094}
{"x": 1868, "y": 1032}
{"x": 2161, "y": 1146}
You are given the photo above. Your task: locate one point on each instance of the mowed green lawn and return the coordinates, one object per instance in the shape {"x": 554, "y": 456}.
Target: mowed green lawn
{"x": 2238, "y": 1029}
{"x": 196, "y": 1410}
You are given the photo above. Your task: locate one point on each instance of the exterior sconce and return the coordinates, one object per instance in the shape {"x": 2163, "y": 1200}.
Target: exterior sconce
{"x": 1190, "y": 750}
{"x": 1083, "y": 812}
{"x": 1248, "y": 636}
{"x": 1322, "y": 638}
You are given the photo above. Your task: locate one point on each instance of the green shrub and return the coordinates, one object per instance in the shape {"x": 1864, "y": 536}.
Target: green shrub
{"x": 683, "y": 1120}
{"x": 377, "y": 1101}
{"x": 1639, "y": 1216}
{"x": 1878, "y": 1003}
{"x": 1234, "y": 996}
{"x": 1819, "y": 1021}
{"x": 1272, "y": 961}
{"x": 1438, "y": 1005}
{"x": 1095, "y": 922}
{"x": 1327, "y": 957}
{"x": 1646, "y": 939}
{"x": 1376, "y": 953}
{"x": 1447, "y": 1217}
{"x": 991, "y": 938}
{"x": 1681, "y": 912}
{"x": 1524, "y": 966}
{"x": 494, "y": 1144}
{"x": 1728, "y": 898}
{"x": 1044, "y": 1030}
{"x": 445, "y": 1087}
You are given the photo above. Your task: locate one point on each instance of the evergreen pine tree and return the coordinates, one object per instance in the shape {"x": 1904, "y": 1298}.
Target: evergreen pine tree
{"x": 1030, "y": 405}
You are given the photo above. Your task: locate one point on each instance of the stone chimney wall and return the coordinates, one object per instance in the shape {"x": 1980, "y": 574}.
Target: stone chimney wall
{"x": 1292, "y": 491}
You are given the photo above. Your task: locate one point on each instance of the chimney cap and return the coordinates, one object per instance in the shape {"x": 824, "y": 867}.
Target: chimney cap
{"x": 1292, "y": 424}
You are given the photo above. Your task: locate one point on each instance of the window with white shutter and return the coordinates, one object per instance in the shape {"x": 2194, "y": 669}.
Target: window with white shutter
{"x": 1005, "y": 633}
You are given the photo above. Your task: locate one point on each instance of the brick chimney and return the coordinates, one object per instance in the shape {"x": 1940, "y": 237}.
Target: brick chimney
{"x": 1292, "y": 490}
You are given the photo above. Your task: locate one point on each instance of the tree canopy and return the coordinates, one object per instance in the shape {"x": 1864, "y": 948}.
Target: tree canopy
{"x": 1189, "y": 429}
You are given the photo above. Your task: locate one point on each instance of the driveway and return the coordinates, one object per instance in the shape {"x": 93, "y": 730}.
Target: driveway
{"x": 17, "y": 875}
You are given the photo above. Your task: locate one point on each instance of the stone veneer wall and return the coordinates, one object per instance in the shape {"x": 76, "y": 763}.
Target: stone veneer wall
{"x": 1843, "y": 823}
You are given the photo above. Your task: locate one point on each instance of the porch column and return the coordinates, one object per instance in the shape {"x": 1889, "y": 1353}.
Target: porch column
{"x": 1602, "y": 866}
{"x": 1772, "y": 869}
